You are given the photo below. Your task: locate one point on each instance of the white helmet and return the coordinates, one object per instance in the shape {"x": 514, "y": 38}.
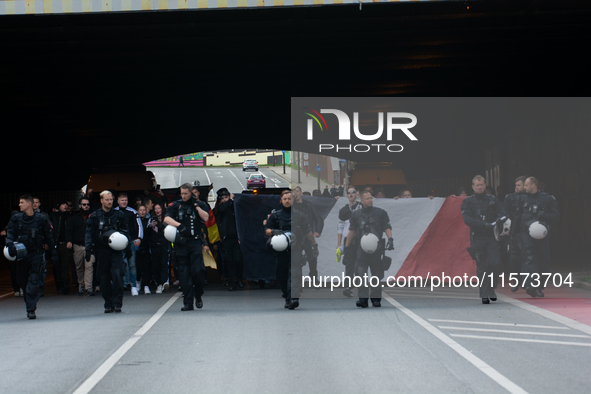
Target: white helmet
{"x": 117, "y": 241}
{"x": 171, "y": 234}
{"x": 21, "y": 252}
{"x": 537, "y": 230}
{"x": 369, "y": 242}
{"x": 7, "y": 255}
{"x": 281, "y": 242}
{"x": 504, "y": 231}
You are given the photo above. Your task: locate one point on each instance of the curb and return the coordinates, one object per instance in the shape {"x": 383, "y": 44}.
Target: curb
{"x": 283, "y": 176}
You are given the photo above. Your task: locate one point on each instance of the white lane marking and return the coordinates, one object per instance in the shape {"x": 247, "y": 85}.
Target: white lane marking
{"x": 208, "y": 180}
{"x": 521, "y": 340}
{"x": 550, "y": 315}
{"x": 100, "y": 373}
{"x": 433, "y": 296}
{"x": 498, "y": 324}
{"x": 241, "y": 185}
{"x": 397, "y": 290}
{"x": 180, "y": 177}
{"x": 514, "y": 332}
{"x": 462, "y": 351}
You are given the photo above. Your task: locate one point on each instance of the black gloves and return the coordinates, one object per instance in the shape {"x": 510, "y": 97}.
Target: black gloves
{"x": 500, "y": 221}
{"x": 390, "y": 244}
{"x": 88, "y": 256}
{"x": 277, "y": 232}
{"x": 315, "y": 250}
{"x": 183, "y": 231}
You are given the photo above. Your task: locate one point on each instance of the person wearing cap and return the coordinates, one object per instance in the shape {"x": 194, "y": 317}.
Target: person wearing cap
{"x": 225, "y": 217}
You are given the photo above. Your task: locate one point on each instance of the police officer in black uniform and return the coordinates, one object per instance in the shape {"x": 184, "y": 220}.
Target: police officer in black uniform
{"x": 188, "y": 215}
{"x": 366, "y": 220}
{"x": 110, "y": 263}
{"x": 510, "y": 206}
{"x": 535, "y": 205}
{"x": 289, "y": 262}
{"x": 316, "y": 224}
{"x": 349, "y": 253}
{"x": 26, "y": 235}
{"x": 481, "y": 212}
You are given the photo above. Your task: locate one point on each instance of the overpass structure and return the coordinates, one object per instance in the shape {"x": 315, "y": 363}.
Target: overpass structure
{"x": 20, "y": 7}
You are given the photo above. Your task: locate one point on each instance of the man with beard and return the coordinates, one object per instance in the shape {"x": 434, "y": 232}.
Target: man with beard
{"x": 289, "y": 266}
{"x": 75, "y": 238}
{"x": 350, "y": 252}
{"x": 100, "y": 226}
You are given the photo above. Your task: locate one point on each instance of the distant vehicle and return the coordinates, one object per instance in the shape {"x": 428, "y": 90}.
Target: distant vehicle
{"x": 256, "y": 181}
{"x": 250, "y": 164}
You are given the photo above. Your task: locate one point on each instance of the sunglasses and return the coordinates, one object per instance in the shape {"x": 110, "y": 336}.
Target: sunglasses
{"x": 351, "y": 192}
{"x": 85, "y": 205}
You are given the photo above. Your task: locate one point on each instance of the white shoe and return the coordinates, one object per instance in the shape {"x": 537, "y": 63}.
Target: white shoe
{"x": 147, "y": 290}
{"x": 22, "y": 294}
{"x": 97, "y": 289}
{"x": 166, "y": 286}
{"x": 134, "y": 291}
{"x": 176, "y": 283}
{"x": 159, "y": 289}
{"x": 17, "y": 293}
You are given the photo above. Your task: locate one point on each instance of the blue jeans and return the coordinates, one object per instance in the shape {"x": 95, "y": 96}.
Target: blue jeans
{"x": 130, "y": 277}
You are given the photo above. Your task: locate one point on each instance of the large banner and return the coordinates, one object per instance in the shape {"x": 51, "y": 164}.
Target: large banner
{"x": 430, "y": 237}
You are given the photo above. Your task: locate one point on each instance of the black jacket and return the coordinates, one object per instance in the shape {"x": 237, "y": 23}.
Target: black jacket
{"x": 76, "y": 229}
{"x": 316, "y": 222}
{"x": 479, "y": 211}
{"x": 226, "y": 220}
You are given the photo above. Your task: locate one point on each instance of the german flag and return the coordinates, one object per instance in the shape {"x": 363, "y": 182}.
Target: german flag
{"x": 213, "y": 234}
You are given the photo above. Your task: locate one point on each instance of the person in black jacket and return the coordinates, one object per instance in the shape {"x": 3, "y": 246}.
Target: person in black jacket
{"x": 160, "y": 249}
{"x": 61, "y": 270}
{"x": 111, "y": 266}
{"x": 230, "y": 245}
{"x": 510, "y": 205}
{"x": 534, "y": 205}
{"x": 75, "y": 240}
{"x": 32, "y": 231}
{"x": 316, "y": 224}
{"x": 481, "y": 212}
{"x": 143, "y": 258}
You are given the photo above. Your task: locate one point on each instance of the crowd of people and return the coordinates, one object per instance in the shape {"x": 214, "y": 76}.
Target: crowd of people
{"x": 81, "y": 245}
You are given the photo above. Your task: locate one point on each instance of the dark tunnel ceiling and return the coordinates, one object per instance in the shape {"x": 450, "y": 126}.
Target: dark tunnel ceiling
{"x": 89, "y": 91}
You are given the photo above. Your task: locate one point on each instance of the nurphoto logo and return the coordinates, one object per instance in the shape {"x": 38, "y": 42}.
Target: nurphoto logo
{"x": 392, "y": 120}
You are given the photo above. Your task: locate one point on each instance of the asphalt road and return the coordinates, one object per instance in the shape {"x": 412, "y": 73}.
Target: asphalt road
{"x": 232, "y": 178}
{"x": 246, "y": 342}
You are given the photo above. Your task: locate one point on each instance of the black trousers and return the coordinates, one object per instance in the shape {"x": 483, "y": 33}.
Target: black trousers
{"x": 189, "y": 258}
{"x": 30, "y": 279}
{"x": 488, "y": 261}
{"x": 350, "y": 254}
{"x": 232, "y": 256}
{"x": 160, "y": 257}
{"x": 61, "y": 272}
{"x": 289, "y": 272}
{"x": 372, "y": 261}
{"x": 312, "y": 261}
{"x": 143, "y": 263}
{"x": 514, "y": 255}
{"x": 535, "y": 258}
{"x": 111, "y": 269}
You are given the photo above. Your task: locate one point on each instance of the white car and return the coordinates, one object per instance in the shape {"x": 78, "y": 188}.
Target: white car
{"x": 250, "y": 164}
